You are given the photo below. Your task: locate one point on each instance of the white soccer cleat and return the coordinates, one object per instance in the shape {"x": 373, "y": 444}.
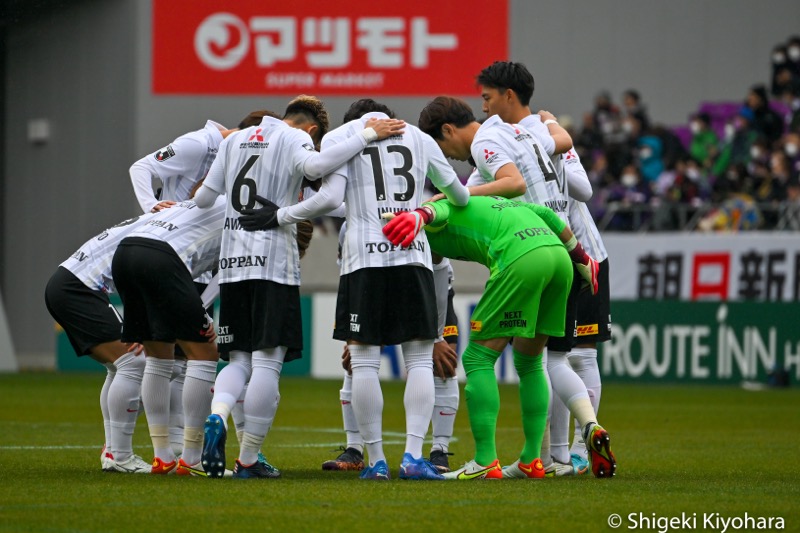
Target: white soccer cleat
{"x": 473, "y": 470}
{"x": 133, "y": 465}
{"x": 105, "y": 460}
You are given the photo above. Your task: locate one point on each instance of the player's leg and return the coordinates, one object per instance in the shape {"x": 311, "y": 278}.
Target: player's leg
{"x": 260, "y": 406}
{"x": 176, "y": 383}
{"x": 583, "y": 360}
{"x": 352, "y": 456}
{"x": 155, "y": 397}
{"x": 445, "y": 407}
{"x": 446, "y": 400}
{"x": 594, "y": 326}
{"x": 359, "y": 311}
{"x": 419, "y": 402}
{"x": 92, "y": 325}
{"x": 123, "y": 406}
{"x": 557, "y": 461}
{"x": 201, "y": 371}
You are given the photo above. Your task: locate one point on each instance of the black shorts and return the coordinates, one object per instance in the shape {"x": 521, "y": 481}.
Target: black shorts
{"x": 565, "y": 343}
{"x": 386, "y": 305}
{"x": 257, "y": 314}
{"x": 160, "y": 300}
{"x": 594, "y": 311}
{"x": 87, "y": 316}
{"x": 451, "y": 321}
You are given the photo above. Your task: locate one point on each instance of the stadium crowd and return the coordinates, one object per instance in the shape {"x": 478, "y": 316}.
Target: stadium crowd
{"x": 733, "y": 167}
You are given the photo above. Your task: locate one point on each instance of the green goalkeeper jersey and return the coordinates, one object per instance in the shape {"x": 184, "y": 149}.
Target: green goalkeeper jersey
{"x": 491, "y": 230}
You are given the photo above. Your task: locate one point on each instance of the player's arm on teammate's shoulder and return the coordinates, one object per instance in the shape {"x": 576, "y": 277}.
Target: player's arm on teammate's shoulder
{"x": 315, "y": 165}
{"x": 560, "y": 136}
{"x": 508, "y": 183}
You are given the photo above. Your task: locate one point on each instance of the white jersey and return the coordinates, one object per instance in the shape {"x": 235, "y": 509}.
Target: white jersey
{"x": 498, "y": 143}
{"x": 178, "y": 166}
{"x": 265, "y": 160}
{"x": 388, "y": 176}
{"x": 91, "y": 263}
{"x": 586, "y": 231}
{"x": 195, "y": 234}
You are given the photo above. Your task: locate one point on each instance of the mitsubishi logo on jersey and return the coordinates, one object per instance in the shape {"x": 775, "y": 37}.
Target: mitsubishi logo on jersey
{"x": 257, "y": 136}
{"x": 487, "y": 154}
{"x": 570, "y": 155}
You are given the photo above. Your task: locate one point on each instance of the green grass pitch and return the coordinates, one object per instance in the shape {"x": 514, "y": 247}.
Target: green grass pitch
{"x": 682, "y": 451}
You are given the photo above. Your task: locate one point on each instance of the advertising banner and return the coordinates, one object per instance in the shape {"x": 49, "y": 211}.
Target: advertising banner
{"x": 712, "y": 342}
{"x": 726, "y": 267}
{"x": 325, "y": 48}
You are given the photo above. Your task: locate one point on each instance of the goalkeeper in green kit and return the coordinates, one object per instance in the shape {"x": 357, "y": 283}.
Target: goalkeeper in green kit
{"x": 528, "y": 250}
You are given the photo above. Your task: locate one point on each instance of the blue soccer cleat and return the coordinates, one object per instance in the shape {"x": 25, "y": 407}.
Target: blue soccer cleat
{"x": 580, "y": 464}
{"x": 213, "y": 456}
{"x": 379, "y": 471}
{"x": 412, "y": 468}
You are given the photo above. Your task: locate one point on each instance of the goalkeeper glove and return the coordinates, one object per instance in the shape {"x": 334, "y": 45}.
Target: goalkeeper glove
{"x": 587, "y": 267}
{"x": 404, "y": 227}
{"x": 258, "y": 219}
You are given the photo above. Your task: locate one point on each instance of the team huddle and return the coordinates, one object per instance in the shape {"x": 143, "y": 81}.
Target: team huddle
{"x": 231, "y": 220}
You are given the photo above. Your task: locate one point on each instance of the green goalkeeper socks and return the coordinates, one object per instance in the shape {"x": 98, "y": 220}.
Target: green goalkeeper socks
{"x": 483, "y": 399}
{"x": 534, "y": 398}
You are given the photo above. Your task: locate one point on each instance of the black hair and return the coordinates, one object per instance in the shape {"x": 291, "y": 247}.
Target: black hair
{"x": 444, "y": 110}
{"x": 504, "y": 75}
{"x": 359, "y": 108}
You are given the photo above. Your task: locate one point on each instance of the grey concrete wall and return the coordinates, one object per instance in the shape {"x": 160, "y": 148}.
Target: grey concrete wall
{"x": 86, "y": 68}
{"x": 72, "y": 68}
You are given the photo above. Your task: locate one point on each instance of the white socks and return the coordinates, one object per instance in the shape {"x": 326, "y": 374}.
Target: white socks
{"x": 261, "y": 401}
{"x": 176, "y": 406}
{"x": 348, "y": 416}
{"x": 367, "y": 398}
{"x": 419, "y": 393}
{"x": 230, "y": 385}
{"x": 197, "y": 392}
{"x": 123, "y": 403}
{"x": 572, "y": 392}
{"x": 156, "y": 395}
{"x": 584, "y": 362}
{"x": 110, "y": 373}
{"x": 445, "y": 407}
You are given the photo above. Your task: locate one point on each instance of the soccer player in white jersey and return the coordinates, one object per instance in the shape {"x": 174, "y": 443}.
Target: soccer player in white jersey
{"x": 170, "y": 175}
{"x": 506, "y": 89}
{"x": 153, "y": 269}
{"x": 509, "y": 155}
{"x": 77, "y": 297}
{"x": 379, "y": 279}
{"x": 260, "y": 322}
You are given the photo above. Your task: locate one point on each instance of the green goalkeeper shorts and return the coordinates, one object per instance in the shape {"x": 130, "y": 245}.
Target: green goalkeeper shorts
{"x": 528, "y": 298}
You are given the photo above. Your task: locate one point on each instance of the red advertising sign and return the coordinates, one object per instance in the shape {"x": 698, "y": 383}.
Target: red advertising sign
{"x": 408, "y": 48}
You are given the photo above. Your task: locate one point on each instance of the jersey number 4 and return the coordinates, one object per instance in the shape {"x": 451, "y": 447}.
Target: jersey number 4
{"x": 377, "y": 171}
{"x": 547, "y": 169}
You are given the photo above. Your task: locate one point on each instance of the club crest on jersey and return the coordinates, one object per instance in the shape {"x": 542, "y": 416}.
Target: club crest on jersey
{"x": 164, "y": 154}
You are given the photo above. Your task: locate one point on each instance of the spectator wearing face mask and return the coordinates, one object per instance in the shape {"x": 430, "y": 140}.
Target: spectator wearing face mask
{"x": 793, "y": 56}
{"x": 629, "y": 192}
{"x": 791, "y": 147}
{"x": 765, "y": 121}
{"x": 704, "y": 145}
{"x": 633, "y": 107}
{"x": 781, "y": 71}
{"x": 649, "y": 156}
{"x": 739, "y": 137}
